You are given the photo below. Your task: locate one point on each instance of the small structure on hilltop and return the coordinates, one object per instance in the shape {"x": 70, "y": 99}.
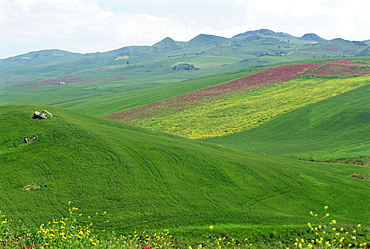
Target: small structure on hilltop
{"x": 41, "y": 115}
{"x": 62, "y": 83}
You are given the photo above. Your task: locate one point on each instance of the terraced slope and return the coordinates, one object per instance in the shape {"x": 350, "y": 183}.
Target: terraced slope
{"x": 145, "y": 179}
{"x": 247, "y": 102}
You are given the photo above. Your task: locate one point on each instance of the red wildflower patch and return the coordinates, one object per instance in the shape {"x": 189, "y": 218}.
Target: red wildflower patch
{"x": 68, "y": 81}
{"x": 331, "y": 49}
{"x": 342, "y": 68}
{"x": 185, "y": 101}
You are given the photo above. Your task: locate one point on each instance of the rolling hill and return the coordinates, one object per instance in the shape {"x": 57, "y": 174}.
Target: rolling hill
{"x": 264, "y": 136}
{"x": 147, "y": 64}
{"x": 314, "y": 111}
{"x": 146, "y": 179}
{"x": 247, "y": 102}
{"x": 331, "y": 129}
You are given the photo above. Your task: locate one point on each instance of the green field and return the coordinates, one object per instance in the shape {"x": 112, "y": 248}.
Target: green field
{"x": 146, "y": 179}
{"x": 335, "y": 128}
{"x": 101, "y": 99}
{"x": 260, "y": 181}
{"x": 248, "y": 102}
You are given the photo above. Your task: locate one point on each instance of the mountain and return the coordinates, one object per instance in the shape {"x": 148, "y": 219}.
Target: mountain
{"x": 365, "y": 52}
{"x": 203, "y": 41}
{"x": 367, "y": 42}
{"x": 136, "y": 67}
{"x": 312, "y": 37}
{"x": 256, "y": 39}
{"x": 348, "y": 43}
{"x": 263, "y": 32}
{"x": 165, "y": 46}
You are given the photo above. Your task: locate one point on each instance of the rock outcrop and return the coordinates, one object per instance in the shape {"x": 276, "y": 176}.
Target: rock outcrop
{"x": 41, "y": 115}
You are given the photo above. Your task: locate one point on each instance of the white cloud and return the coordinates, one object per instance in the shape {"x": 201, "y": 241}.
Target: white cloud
{"x": 327, "y": 18}
{"x": 100, "y": 25}
{"x": 79, "y": 25}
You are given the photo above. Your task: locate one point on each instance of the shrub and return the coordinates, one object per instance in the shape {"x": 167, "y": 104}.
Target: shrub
{"x": 360, "y": 176}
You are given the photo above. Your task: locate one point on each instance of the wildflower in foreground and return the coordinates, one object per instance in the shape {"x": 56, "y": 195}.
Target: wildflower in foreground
{"x": 331, "y": 235}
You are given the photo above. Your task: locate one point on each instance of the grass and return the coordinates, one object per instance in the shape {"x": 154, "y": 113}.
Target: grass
{"x": 102, "y": 99}
{"x": 79, "y": 231}
{"x": 241, "y": 104}
{"x": 326, "y": 130}
{"x": 201, "y": 191}
{"x": 150, "y": 180}
{"x": 238, "y": 113}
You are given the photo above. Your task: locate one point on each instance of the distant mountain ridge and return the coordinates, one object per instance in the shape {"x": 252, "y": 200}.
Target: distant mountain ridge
{"x": 205, "y": 40}
{"x": 210, "y": 53}
{"x": 263, "y": 32}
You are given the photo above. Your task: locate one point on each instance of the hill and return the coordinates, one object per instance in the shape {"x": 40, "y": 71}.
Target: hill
{"x": 312, "y": 37}
{"x": 146, "y": 179}
{"x": 264, "y": 32}
{"x": 249, "y": 101}
{"x": 211, "y": 54}
{"x": 331, "y": 129}
{"x": 165, "y": 46}
{"x": 205, "y": 41}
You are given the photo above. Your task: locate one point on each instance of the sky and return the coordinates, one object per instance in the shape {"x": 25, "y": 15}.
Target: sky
{"x": 86, "y": 26}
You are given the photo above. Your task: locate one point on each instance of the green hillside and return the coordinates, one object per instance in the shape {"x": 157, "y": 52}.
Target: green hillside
{"x": 101, "y": 99}
{"x": 265, "y": 132}
{"x": 145, "y": 179}
{"x": 140, "y": 64}
{"x": 335, "y": 128}
{"x": 247, "y": 102}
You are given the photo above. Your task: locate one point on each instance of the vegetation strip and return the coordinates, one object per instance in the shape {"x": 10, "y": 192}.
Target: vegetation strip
{"x": 78, "y": 231}
{"x": 183, "y": 102}
{"x": 244, "y": 103}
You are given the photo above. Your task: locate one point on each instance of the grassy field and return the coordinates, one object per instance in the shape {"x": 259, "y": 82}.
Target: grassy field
{"x": 248, "y": 102}
{"x": 208, "y": 192}
{"x": 147, "y": 180}
{"x": 71, "y": 232}
{"x": 335, "y": 128}
{"x": 100, "y": 99}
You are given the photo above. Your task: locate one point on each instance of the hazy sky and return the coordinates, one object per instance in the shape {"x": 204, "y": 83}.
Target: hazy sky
{"x": 103, "y": 25}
